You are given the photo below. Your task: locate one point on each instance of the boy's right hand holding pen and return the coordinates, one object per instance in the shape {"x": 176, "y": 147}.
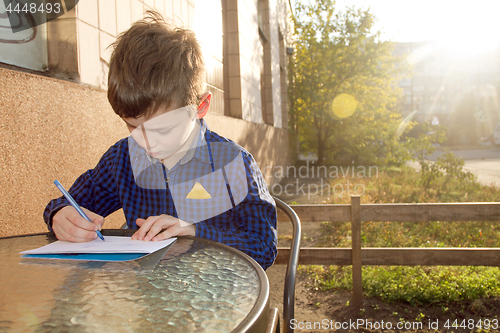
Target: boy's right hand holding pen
{"x": 69, "y": 225}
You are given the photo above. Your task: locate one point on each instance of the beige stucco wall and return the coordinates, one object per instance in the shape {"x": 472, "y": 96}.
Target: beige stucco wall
{"x": 53, "y": 129}
{"x": 267, "y": 144}
{"x": 50, "y": 129}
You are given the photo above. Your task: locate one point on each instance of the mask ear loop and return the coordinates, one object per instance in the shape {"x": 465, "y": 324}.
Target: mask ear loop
{"x": 223, "y": 173}
{"x": 193, "y": 110}
{"x": 145, "y": 137}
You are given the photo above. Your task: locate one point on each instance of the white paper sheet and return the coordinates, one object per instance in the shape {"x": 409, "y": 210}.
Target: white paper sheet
{"x": 113, "y": 244}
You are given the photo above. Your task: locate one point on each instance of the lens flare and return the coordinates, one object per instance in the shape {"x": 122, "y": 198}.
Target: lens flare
{"x": 343, "y": 106}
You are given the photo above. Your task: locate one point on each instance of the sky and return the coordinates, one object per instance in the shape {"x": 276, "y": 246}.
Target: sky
{"x": 474, "y": 21}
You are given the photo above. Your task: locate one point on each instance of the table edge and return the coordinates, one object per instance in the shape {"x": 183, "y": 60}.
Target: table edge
{"x": 257, "y": 318}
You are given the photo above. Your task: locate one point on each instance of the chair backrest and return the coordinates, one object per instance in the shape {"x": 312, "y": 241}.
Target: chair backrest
{"x": 291, "y": 270}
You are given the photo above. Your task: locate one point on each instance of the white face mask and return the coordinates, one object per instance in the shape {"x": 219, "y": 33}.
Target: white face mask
{"x": 165, "y": 133}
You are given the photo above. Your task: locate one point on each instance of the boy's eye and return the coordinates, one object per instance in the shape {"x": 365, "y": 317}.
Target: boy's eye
{"x": 164, "y": 132}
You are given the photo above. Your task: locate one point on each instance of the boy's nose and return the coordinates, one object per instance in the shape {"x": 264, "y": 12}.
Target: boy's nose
{"x": 150, "y": 139}
{"x": 145, "y": 139}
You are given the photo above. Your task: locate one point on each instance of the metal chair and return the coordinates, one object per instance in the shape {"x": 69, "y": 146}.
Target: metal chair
{"x": 291, "y": 270}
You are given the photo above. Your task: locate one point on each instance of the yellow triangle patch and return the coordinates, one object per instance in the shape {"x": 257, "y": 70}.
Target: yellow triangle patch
{"x": 198, "y": 192}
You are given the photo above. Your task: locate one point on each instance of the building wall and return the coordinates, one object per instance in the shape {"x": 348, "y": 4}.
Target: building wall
{"x": 78, "y": 47}
{"x": 51, "y": 129}
{"x": 254, "y": 60}
{"x": 87, "y": 31}
{"x": 57, "y": 127}
{"x": 244, "y": 69}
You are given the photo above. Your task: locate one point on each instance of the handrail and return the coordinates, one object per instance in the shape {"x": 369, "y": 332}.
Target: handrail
{"x": 291, "y": 270}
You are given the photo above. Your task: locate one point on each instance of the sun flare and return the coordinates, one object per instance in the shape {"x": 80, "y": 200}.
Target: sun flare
{"x": 463, "y": 26}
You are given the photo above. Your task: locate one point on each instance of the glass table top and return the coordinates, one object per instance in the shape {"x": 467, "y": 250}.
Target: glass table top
{"x": 195, "y": 286}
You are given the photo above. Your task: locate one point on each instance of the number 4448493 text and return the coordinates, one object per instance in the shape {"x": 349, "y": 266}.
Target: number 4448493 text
{"x": 471, "y": 324}
{"x": 34, "y": 8}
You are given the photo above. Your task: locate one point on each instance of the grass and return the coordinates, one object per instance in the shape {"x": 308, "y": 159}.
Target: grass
{"x": 415, "y": 285}
{"x": 406, "y": 185}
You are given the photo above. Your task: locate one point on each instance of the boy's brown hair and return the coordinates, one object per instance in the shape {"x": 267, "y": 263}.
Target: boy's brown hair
{"x": 154, "y": 65}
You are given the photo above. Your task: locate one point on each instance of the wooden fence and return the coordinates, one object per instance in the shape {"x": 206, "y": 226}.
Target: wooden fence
{"x": 418, "y": 212}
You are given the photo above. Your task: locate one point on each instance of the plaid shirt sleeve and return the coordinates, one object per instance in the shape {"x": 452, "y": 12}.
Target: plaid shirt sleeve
{"x": 252, "y": 228}
{"x": 94, "y": 190}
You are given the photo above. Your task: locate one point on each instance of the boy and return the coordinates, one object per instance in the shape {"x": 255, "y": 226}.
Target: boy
{"x": 172, "y": 176}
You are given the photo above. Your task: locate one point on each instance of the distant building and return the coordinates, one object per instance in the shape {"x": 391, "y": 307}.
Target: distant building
{"x": 441, "y": 76}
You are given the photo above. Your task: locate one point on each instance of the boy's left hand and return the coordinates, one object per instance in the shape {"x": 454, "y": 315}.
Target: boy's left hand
{"x": 161, "y": 227}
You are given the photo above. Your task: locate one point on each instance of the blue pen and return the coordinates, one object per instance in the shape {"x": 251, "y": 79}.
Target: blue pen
{"x": 75, "y": 205}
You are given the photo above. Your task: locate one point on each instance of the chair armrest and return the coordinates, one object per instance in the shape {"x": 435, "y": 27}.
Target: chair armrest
{"x": 291, "y": 270}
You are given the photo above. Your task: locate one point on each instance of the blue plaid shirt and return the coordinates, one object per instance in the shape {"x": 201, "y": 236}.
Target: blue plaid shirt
{"x": 240, "y": 212}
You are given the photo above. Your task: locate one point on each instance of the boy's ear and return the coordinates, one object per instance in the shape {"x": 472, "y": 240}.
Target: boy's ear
{"x": 204, "y": 105}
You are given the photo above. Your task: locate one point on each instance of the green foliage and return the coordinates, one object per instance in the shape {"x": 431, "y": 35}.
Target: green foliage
{"x": 449, "y": 167}
{"x": 416, "y": 285}
{"x": 405, "y": 185}
{"x": 420, "y": 142}
{"x": 475, "y": 116}
{"x": 421, "y": 234}
{"x": 418, "y": 129}
{"x": 338, "y": 53}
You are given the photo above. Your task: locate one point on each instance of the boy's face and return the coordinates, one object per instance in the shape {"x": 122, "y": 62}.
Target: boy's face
{"x": 164, "y": 133}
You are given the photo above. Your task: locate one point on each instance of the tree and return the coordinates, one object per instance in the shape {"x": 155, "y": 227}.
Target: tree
{"x": 337, "y": 53}
{"x": 475, "y": 115}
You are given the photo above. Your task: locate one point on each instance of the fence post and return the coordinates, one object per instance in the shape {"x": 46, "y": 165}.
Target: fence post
{"x": 357, "y": 289}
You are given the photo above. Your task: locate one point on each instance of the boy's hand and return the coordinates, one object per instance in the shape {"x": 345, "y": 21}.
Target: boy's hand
{"x": 70, "y": 226}
{"x": 161, "y": 227}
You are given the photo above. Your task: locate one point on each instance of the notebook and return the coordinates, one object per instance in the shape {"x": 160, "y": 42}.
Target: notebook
{"x": 115, "y": 248}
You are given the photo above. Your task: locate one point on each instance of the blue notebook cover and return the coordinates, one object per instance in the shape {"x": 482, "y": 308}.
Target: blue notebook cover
{"x": 89, "y": 256}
